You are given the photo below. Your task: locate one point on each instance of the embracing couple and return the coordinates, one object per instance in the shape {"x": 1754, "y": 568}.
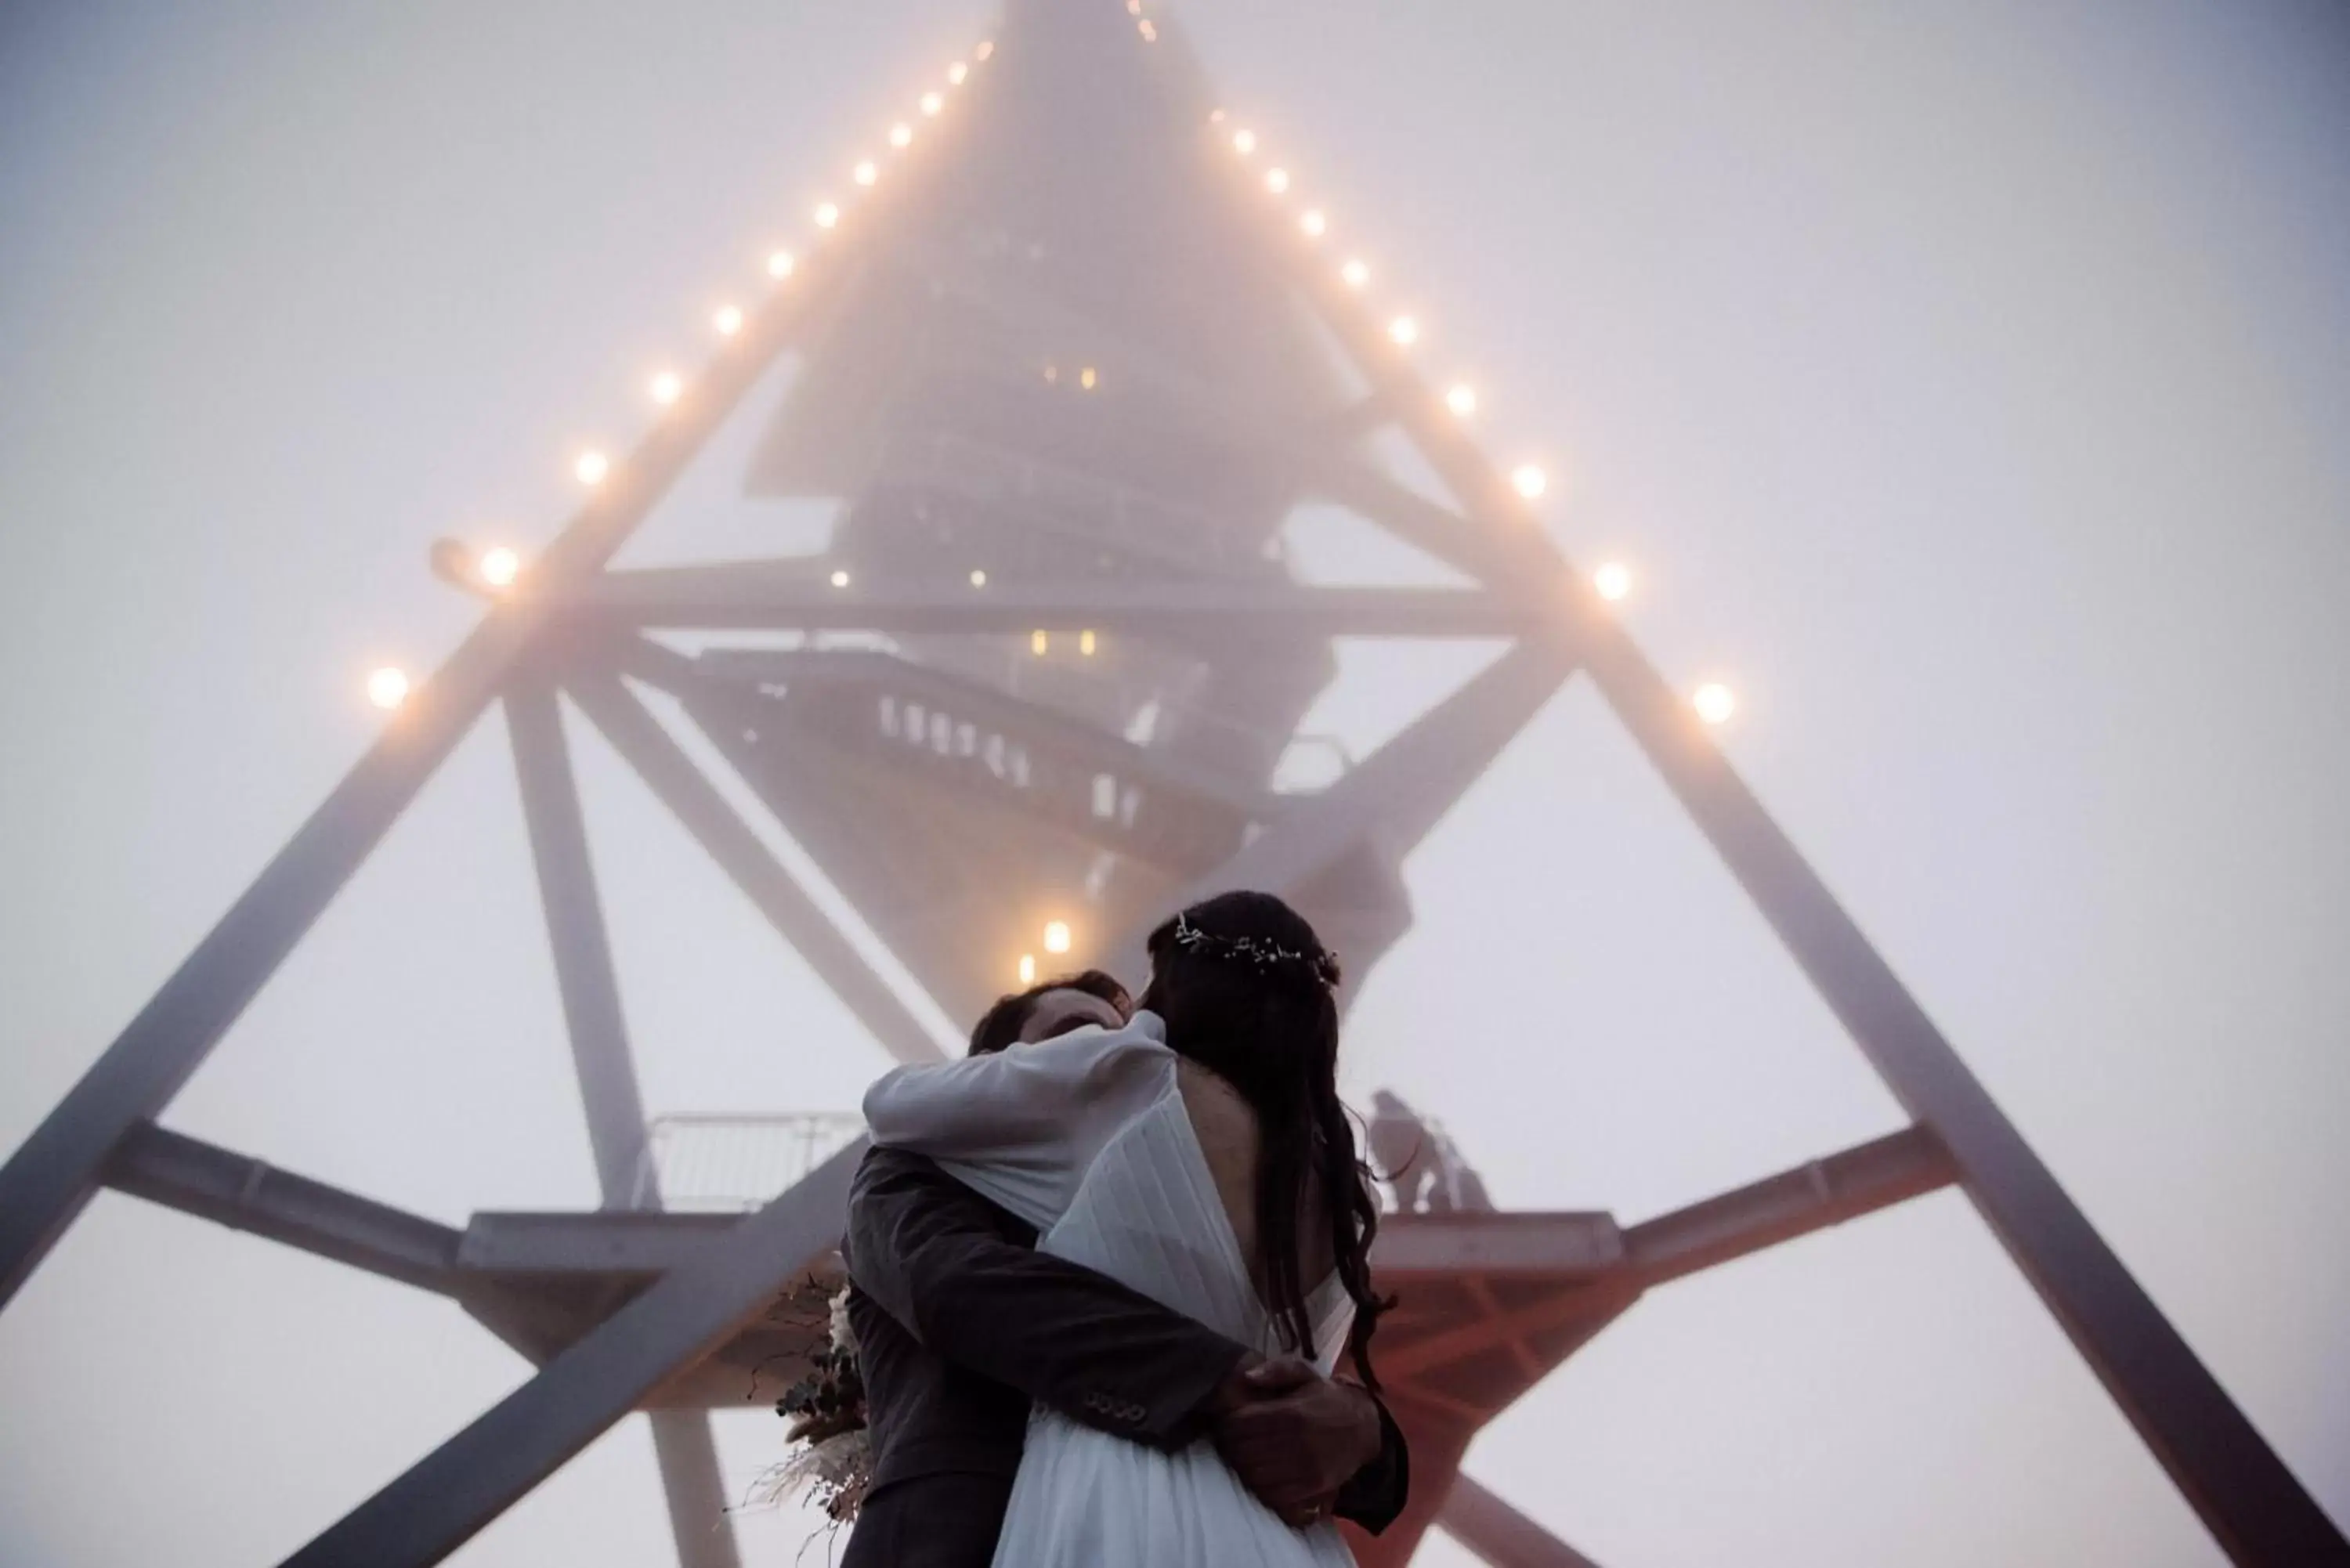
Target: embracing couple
{"x": 1111, "y": 1285}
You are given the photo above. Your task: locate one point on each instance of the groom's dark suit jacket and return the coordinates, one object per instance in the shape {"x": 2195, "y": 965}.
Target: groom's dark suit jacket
{"x": 961, "y": 1324}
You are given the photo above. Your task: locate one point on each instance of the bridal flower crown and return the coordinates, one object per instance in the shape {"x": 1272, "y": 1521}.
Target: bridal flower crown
{"x": 1261, "y": 952}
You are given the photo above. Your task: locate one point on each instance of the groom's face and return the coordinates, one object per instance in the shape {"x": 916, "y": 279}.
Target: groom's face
{"x": 1057, "y": 1013}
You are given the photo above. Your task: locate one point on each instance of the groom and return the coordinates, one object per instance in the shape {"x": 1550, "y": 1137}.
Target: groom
{"x": 961, "y": 1324}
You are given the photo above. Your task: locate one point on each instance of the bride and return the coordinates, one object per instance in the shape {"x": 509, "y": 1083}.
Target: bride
{"x": 1200, "y": 1156}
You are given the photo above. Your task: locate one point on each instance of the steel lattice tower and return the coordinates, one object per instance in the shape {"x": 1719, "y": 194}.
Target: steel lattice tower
{"x": 1068, "y": 374}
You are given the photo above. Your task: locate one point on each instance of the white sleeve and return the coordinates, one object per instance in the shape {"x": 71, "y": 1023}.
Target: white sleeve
{"x": 1020, "y": 1126}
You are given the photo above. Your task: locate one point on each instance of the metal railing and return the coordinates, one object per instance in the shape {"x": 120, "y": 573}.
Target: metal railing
{"x": 725, "y": 1164}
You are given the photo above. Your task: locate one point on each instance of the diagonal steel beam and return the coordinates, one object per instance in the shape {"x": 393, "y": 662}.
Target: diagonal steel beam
{"x": 1468, "y": 543}
{"x": 1351, "y": 423}
{"x": 583, "y": 952}
{"x": 1812, "y": 1197}
{"x": 447, "y": 1496}
{"x": 695, "y": 802}
{"x": 683, "y": 1445}
{"x": 685, "y": 1451}
{"x": 253, "y": 1196}
{"x": 48, "y": 1180}
{"x": 1399, "y": 792}
{"x": 1499, "y": 1534}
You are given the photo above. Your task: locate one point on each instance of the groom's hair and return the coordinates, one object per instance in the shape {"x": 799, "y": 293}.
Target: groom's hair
{"x": 1001, "y": 1024}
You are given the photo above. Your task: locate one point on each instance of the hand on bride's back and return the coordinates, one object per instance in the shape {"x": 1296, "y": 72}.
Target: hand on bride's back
{"x": 1293, "y": 1437}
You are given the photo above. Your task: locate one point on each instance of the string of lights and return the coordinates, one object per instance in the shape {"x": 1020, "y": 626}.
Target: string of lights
{"x": 1713, "y": 700}
{"x": 498, "y": 568}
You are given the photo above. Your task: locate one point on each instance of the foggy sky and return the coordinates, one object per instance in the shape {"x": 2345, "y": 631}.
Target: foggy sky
{"x": 1966, "y": 385}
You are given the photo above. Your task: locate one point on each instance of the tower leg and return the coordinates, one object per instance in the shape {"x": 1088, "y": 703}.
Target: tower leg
{"x": 683, "y": 1445}
{"x": 2255, "y": 1506}
{"x": 46, "y": 1181}
{"x": 1398, "y": 792}
{"x": 2252, "y": 1504}
{"x": 447, "y": 1496}
{"x": 697, "y": 803}
{"x": 1500, "y": 1535}
{"x": 583, "y": 950}
{"x": 688, "y": 1454}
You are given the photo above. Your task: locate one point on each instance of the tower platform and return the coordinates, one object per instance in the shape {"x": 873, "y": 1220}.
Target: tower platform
{"x": 1488, "y": 1302}
{"x": 1487, "y": 1305}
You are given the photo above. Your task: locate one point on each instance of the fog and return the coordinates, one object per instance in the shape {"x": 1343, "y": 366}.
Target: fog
{"x": 1965, "y": 386}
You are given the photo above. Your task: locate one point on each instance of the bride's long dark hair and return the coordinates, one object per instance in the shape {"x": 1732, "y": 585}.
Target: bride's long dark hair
{"x": 1246, "y": 989}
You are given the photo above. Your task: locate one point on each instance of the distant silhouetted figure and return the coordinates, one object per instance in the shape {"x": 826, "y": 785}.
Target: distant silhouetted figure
{"x": 1420, "y": 1161}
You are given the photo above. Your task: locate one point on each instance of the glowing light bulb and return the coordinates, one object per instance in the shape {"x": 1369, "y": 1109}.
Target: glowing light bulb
{"x": 1356, "y": 273}
{"x": 1027, "y": 969}
{"x": 827, "y": 216}
{"x": 1134, "y": 7}
{"x": 932, "y": 103}
{"x": 901, "y": 134}
{"x": 1149, "y": 29}
{"x": 1215, "y": 117}
{"x": 387, "y": 687}
{"x": 1276, "y": 181}
{"x": 1404, "y": 330}
{"x": 1613, "y": 580}
{"x": 1039, "y": 644}
{"x": 866, "y": 173}
{"x": 986, "y": 48}
{"x": 1244, "y": 142}
{"x": 1314, "y": 225}
{"x": 729, "y": 321}
{"x": 1715, "y": 701}
{"x": 1462, "y": 400}
{"x": 1056, "y": 936}
{"x": 978, "y": 579}
{"x": 840, "y": 579}
{"x": 592, "y": 467}
{"x": 499, "y": 567}
{"x": 1529, "y": 480}
{"x": 780, "y": 265}
{"x": 1086, "y": 378}
{"x": 667, "y": 387}
{"x": 1085, "y": 643}
{"x": 956, "y": 72}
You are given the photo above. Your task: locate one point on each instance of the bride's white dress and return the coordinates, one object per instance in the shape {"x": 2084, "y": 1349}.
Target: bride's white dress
{"x": 1086, "y": 1138}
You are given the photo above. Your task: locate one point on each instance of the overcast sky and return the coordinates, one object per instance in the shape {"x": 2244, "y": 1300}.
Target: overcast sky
{"x": 1966, "y": 384}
